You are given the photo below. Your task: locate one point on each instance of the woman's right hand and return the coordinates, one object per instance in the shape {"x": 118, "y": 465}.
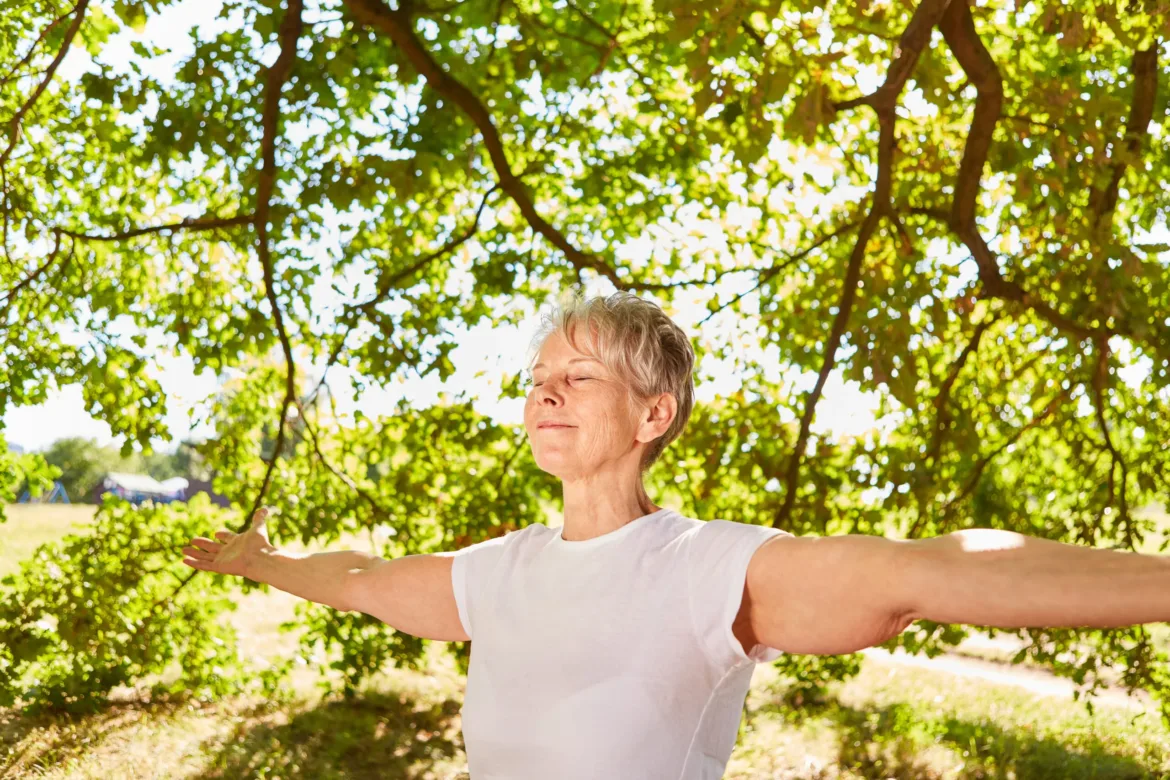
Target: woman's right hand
{"x": 233, "y": 553}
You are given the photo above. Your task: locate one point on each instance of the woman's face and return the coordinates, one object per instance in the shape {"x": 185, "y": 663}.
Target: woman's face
{"x": 578, "y": 415}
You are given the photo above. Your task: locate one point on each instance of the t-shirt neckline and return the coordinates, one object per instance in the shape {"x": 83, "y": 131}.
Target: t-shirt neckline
{"x": 606, "y": 538}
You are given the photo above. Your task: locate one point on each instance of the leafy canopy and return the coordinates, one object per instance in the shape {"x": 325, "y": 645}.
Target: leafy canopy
{"x": 957, "y": 206}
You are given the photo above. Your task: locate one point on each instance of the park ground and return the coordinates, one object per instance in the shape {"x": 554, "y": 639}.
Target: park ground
{"x": 953, "y": 717}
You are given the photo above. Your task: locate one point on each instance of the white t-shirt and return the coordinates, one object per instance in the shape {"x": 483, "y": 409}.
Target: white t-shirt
{"x": 611, "y": 657}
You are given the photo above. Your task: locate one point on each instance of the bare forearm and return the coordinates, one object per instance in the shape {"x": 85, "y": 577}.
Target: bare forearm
{"x": 318, "y": 577}
{"x": 988, "y": 577}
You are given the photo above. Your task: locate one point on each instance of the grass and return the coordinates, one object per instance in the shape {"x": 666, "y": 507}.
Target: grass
{"x": 404, "y": 725}
{"x": 895, "y": 721}
{"x": 31, "y": 525}
{"x": 889, "y": 722}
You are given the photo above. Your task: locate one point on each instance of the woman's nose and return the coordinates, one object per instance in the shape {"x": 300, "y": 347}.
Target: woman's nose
{"x": 549, "y": 393}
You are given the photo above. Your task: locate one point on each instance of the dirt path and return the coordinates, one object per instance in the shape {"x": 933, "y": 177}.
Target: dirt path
{"x": 1033, "y": 680}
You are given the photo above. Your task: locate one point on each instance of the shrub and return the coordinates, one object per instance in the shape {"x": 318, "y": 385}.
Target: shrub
{"x": 94, "y": 611}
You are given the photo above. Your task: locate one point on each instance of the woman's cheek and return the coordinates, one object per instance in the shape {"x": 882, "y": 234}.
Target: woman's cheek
{"x": 603, "y": 435}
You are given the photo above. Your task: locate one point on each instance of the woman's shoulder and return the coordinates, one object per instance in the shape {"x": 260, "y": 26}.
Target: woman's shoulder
{"x": 715, "y": 530}
{"x": 505, "y": 536}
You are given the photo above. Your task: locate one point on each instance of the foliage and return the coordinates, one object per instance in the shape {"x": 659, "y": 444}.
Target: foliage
{"x": 185, "y": 461}
{"x": 83, "y": 462}
{"x": 431, "y": 479}
{"x": 811, "y": 676}
{"x": 98, "y": 610}
{"x": 363, "y": 643}
{"x": 20, "y": 471}
{"x": 956, "y": 206}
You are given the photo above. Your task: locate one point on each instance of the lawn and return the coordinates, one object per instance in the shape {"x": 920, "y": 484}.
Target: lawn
{"x": 31, "y": 525}
{"x": 890, "y": 721}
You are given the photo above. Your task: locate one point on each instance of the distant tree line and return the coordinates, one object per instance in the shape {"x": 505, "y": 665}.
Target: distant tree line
{"x": 83, "y": 462}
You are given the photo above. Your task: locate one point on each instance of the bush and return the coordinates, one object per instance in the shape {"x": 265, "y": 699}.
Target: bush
{"x": 365, "y": 645}
{"x": 810, "y": 677}
{"x": 95, "y": 611}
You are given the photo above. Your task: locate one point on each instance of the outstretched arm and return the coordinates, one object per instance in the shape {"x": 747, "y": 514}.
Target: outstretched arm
{"x": 1001, "y": 578}
{"x": 319, "y": 577}
{"x": 840, "y": 594}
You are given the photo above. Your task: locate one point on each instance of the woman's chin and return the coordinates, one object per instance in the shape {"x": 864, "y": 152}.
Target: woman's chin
{"x": 561, "y": 468}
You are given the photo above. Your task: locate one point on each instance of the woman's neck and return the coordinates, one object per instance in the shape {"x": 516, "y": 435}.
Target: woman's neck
{"x": 591, "y": 511}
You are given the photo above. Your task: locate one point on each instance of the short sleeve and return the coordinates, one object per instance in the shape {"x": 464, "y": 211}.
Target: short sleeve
{"x": 717, "y": 558}
{"x": 470, "y": 570}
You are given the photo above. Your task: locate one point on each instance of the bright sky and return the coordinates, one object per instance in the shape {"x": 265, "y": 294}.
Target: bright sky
{"x": 485, "y": 355}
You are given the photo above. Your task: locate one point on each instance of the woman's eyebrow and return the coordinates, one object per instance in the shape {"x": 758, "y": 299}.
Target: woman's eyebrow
{"x": 574, "y": 360}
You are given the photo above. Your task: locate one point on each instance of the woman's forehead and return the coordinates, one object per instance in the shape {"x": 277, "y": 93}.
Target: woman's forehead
{"x": 558, "y": 349}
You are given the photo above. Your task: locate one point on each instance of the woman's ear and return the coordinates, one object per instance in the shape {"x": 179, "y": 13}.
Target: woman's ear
{"x": 657, "y": 418}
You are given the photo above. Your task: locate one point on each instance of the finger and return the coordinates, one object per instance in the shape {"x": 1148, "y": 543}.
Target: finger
{"x": 260, "y": 517}
{"x": 204, "y": 543}
{"x": 197, "y": 554}
{"x": 194, "y": 564}
{"x": 224, "y": 535}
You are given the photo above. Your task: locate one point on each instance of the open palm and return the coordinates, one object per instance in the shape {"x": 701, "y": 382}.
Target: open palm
{"x": 233, "y": 553}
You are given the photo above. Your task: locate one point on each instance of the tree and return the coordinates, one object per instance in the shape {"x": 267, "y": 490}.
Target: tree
{"x": 957, "y": 206}
{"x": 82, "y": 463}
{"x": 186, "y": 461}
{"x": 21, "y": 471}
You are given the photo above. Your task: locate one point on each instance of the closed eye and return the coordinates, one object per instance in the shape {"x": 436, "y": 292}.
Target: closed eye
{"x": 572, "y": 379}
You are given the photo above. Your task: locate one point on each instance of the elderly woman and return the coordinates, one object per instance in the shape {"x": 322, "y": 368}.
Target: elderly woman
{"x": 622, "y": 644}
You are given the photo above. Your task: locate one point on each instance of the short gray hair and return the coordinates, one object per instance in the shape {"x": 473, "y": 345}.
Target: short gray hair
{"x": 637, "y": 341}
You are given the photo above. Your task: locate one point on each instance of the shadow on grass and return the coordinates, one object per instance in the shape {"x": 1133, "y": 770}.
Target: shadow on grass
{"x": 888, "y": 742}
{"x": 29, "y": 743}
{"x": 376, "y": 735}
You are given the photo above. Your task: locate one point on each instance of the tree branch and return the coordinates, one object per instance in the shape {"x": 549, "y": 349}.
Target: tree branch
{"x": 342, "y": 476}
{"x": 1100, "y": 384}
{"x": 191, "y": 223}
{"x": 1145, "y": 91}
{"x": 334, "y": 355}
{"x": 981, "y": 466}
{"x": 863, "y": 31}
{"x": 603, "y": 49}
{"x": 291, "y": 26}
{"x": 1004, "y": 289}
{"x": 958, "y": 29}
{"x": 517, "y": 446}
{"x": 10, "y": 296}
{"x": 942, "y": 423}
{"x": 1027, "y": 120}
{"x": 883, "y": 101}
{"x": 13, "y": 132}
{"x": 910, "y": 45}
{"x": 943, "y": 418}
{"x": 754, "y": 34}
{"x": 398, "y": 25}
{"x": 789, "y": 260}
{"x": 290, "y": 30}
{"x": 613, "y": 45}
{"x": 386, "y": 283}
{"x": 32, "y": 49}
